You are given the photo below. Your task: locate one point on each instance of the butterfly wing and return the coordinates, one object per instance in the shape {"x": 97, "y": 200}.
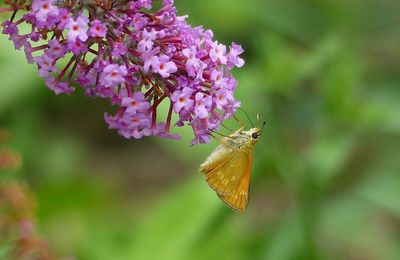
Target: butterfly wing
{"x": 238, "y": 200}
{"x": 224, "y": 169}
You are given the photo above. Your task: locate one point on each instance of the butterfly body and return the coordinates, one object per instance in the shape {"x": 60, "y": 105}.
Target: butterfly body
{"x": 228, "y": 168}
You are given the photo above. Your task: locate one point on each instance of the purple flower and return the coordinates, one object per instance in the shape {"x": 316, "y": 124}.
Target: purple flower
{"x": 147, "y": 41}
{"x": 182, "y": 100}
{"x": 201, "y": 128}
{"x": 56, "y": 50}
{"x": 58, "y": 87}
{"x": 136, "y": 121}
{"x": 138, "y": 21}
{"x": 43, "y": 9}
{"x": 77, "y": 29}
{"x": 162, "y": 130}
{"x": 113, "y": 75}
{"x": 9, "y": 28}
{"x": 135, "y": 56}
{"x": 202, "y": 105}
{"x": 64, "y": 18}
{"x": 222, "y": 97}
{"x": 218, "y": 53}
{"x": 45, "y": 64}
{"x": 233, "y": 57}
{"x": 218, "y": 78}
{"x": 135, "y": 104}
{"x": 28, "y": 52}
{"x": 138, "y": 133}
{"x": 139, "y": 4}
{"x": 97, "y": 29}
{"x": 119, "y": 49}
{"x": 77, "y": 47}
{"x": 194, "y": 66}
{"x": 149, "y": 58}
{"x": 163, "y": 66}
{"x": 18, "y": 40}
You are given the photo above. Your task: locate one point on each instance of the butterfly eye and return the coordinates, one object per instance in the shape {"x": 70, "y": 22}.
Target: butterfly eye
{"x": 254, "y": 135}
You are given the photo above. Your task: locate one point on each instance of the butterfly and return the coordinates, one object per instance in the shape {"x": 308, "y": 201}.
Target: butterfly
{"x": 228, "y": 168}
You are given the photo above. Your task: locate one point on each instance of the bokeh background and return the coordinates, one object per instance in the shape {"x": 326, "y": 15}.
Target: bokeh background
{"x": 325, "y": 77}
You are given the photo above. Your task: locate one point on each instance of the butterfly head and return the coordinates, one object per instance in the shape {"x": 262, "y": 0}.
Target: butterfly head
{"x": 255, "y": 133}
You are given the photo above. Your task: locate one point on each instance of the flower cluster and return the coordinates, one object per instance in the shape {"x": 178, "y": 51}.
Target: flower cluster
{"x": 133, "y": 55}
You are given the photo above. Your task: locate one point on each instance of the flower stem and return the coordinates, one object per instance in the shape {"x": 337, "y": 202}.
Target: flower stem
{"x": 6, "y": 9}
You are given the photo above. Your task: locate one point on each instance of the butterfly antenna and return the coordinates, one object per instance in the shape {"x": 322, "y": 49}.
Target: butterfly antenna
{"x": 263, "y": 126}
{"x": 248, "y": 118}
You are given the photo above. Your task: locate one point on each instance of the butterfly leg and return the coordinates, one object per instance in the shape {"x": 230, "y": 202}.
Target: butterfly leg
{"x": 220, "y": 140}
{"x": 242, "y": 125}
{"x": 240, "y": 122}
{"x": 227, "y": 128}
{"x": 226, "y": 136}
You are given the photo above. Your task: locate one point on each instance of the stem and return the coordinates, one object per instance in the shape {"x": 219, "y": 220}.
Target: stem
{"x": 156, "y": 88}
{"x": 163, "y": 9}
{"x": 134, "y": 52}
{"x": 147, "y": 94}
{"x": 93, "y": 51}
{"x": 169, "y": 118}
{"x": 158, "y": 101}
{"x": 115, "y": 17}
{"x": 6, "y": 9}
{"x": 154, "y": 115}
{"x": 13, "y": 16}
{"x": 170, "y": 40}
{"x": 128, "y": 89}
{"x": 41, "y": 47}
{"x": 71, "y": 73}
{"x": 65, "y": 70}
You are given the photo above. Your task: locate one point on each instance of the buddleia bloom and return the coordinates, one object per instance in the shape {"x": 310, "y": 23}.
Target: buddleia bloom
{"x": 135, "y": 56}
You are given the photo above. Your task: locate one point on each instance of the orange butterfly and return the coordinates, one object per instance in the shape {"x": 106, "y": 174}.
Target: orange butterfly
{"x": 228, "y": 168}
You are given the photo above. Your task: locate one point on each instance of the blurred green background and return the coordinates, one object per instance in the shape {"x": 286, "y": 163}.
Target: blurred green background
{"x": 325, "y": 77}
